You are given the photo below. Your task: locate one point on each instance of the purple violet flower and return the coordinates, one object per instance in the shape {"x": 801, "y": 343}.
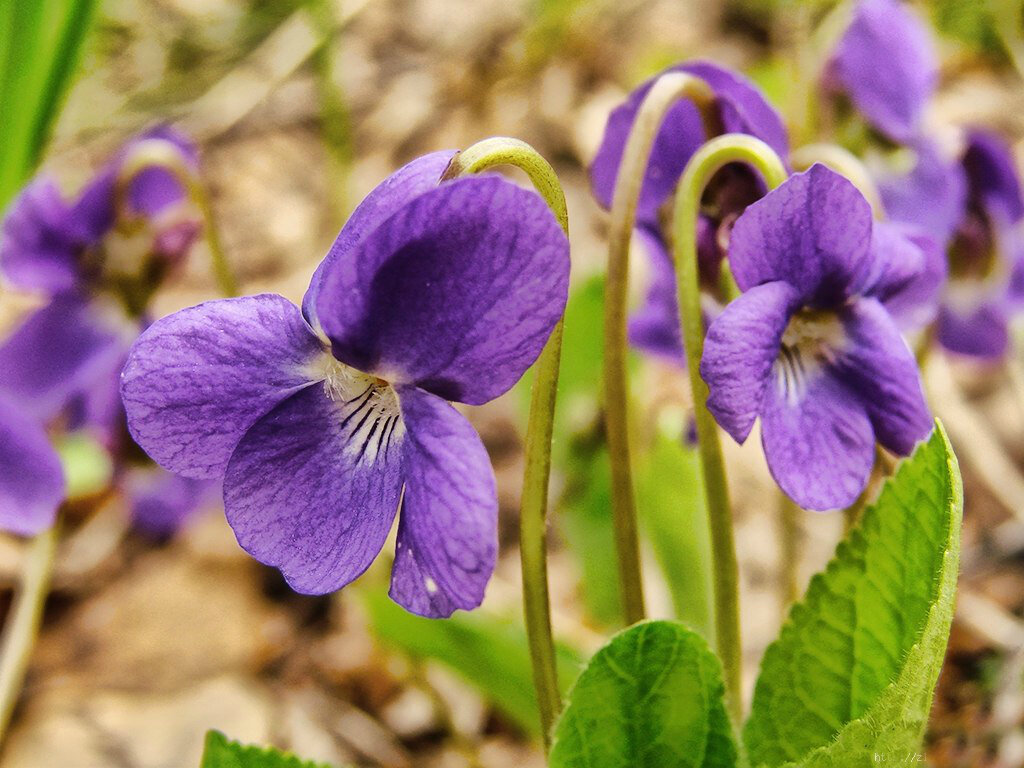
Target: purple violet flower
{"x": 31, "y": 477}
{"x": 71, "y": 349}
{"x": 432, "y": 292}
{"x": 810, "y": 346}
{"x": 655, "y": 327}
{"x": 986, "y": 254}
{"x": 742, "y": 109}
{"x": 886, "y": 65}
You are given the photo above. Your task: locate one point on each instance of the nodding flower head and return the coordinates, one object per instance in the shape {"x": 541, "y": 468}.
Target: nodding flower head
{"x": 66, "y": 356}
{"x": 811, "y": 346}
{"x": 323, "y": 422}
{"x": 55, "y": 246}
{"x": 885, "y": 64}
{"x": 741, "y": 109}
{"x": 986, "y": 254}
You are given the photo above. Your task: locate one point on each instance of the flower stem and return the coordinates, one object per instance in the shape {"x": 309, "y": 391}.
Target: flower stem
{"x": 160, "y": 153}
{"x": 705, "y": 163}
{"x": 533, "y": 514}
{"x": 789, "y": 551}
{"x": 666, "y": 91}
{"x": 23, "y": 621}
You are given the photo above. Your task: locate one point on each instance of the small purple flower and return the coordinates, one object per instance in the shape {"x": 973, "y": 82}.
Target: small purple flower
{"x": 810, "y": 346}
{"x": 886, "y": 65}
{"x": 742, "y": 109}
{"x": 322, "y": 422}
{"x": 66, "y": 356}
{"x": 49, "y": 245}
{"x": 31, "y": 477}
{"x": 655, "y": 327}
{"x": 986, "y": 254}
{"x": 912, "y": 298}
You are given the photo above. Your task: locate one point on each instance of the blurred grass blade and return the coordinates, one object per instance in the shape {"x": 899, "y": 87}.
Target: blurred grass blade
{"x": 670, "y": 489}
{"x": 40, "y": 42}
{"x": 488, "y": 652}
{"x": 584, "y": 515}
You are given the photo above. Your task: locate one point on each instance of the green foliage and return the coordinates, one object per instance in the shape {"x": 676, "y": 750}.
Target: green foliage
{"x": 670, "y": 495}
{"x": 585, "y": 515}
{"x": 551, "y": 23}
{"x": 488, "y": 652}
{"x": 651, "y": 698}
{"x": 849, "y": 682}
{"x": 40, "y": 41}
{"x": 970, "y": 22}
{"x": 220, "y": 752}
{"x": 579, "y": 374}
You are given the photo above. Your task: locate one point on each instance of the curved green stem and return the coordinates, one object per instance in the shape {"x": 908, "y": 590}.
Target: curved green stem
{"x": 844, "y": 162}
{"x": 533, "y": 515}
{"x": 160, "y": 153}
{"x": 705, "y": 163}
{"x": 22, "y": 626}
{"x": 665, "y": 92}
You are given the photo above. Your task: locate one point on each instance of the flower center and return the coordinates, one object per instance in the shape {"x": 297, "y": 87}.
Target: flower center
{"x": 811, "y": 340}
{"x": 972, "y": 253}
{"x": 367, "y": 407}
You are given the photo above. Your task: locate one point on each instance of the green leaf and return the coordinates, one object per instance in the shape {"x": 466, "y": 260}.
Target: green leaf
{"x": 488, "y": 652}
{"x": 220, "y": 752}
{"x": 40, "y": 43}
{"x": 651, "y": 698}
{"x": 670, "y": 492}
{"x": 850, "y": 680}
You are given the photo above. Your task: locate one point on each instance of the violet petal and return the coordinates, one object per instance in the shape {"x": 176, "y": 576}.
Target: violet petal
{"x": 878, "y": 365}
{"x": 31, "y": 477}
{"x": 402, "y": 187}
{"x": 742, "y": 109}
{"x": 813, "y": 232}
{"x": 885, "y": 62}
{"x": 456, "y": 293}
{"x": 447, "y": 532}
{"x": 196, "y": 380}
{"x": 818, "y": 441}
{"x": 740, "y": 351}
{"x": 40, "y": 246}
{"x": 308, "y": 492}
{"x": 64, "y": 349}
